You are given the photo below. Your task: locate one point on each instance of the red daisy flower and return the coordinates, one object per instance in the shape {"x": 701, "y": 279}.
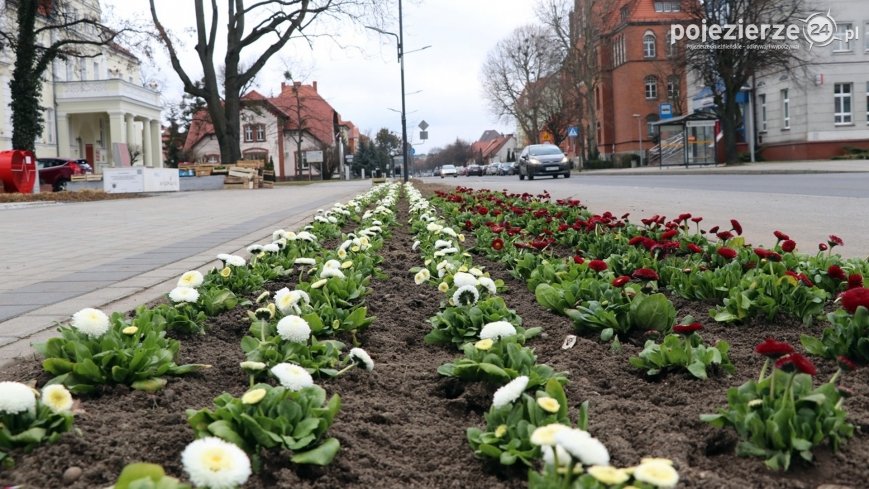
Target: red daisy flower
{"x": 666, "y": 235}
{"x": 713, "y": 230}
{"x": 773, "y": 256}
{"x": 823, "y": 246}
{"x": 693, "y": 248}
{"x": 687, "y": 329}
{"x": 736, "y": 226}
{"x": 621, "y": 281}
{"x": 835, "y": 241}
{"x": 645, "y": 274}
{"x": 724, "y": 235}
{"x": 728, "y": 253}
{"x": 781, "y": 236}
{"x": 761, "y": 252}
{"x": 497, "y": 244}
{"x": 597, "y": 265}
{"x": 796, "y": 361}
{"x": 773, "y": 349}
{"x": 835, "y": 272}
{"x": 854, "y": 298}
{"x": 847, "y": 362}
{"x": 855, "y": 280}
{"x": 788, "y": 245}
{"x": 578, "y": 259}
{"x": 697, "y": 219}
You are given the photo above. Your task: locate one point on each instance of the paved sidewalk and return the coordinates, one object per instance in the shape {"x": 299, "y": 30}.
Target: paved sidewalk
{"x": 116, "y": 255}
{"x": 783, "y": 167}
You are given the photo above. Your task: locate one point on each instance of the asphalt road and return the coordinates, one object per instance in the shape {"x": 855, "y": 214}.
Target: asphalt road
{"x": 809, "y": 207}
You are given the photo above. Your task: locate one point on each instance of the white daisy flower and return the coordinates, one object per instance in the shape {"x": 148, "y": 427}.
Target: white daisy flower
{"x": 415, "y": 245}
{"x": 193, "y": 278}
{"x": 564, "y": 458}
{"x": 510, "y": 391}
{"x": 255, "y": 249}
{"x": 441, "y": 243}
{"x": 278, "y": 234}
{"x": 16, "y": 397}
{"x": 287, "y": 300}
{"x": 215, "y": 464}
{"x": 57, "y": 398}
{"x": 223, "y": 257}
{"x": 545, "y": 435}
{"x": 433, "y": 227}
{"x": 236, "y": 261}
{"x": 461, "y": 279}
{"x": 497, "y": 330}
{"x": 488, "y": 283}
{"x": 377, "y": 223}
{"x": 585, "y": 448}
{"x": 346, "y": 244}
{"x": 294, "y": 328}
{"x": 292, "y": 376}
{"x": 334, "y": 264}
{"x": 281, "y": 243}
{"x": 475, "y": 272}
{"x": 332, "y": 272}
{"x": 306, "y": 236}
{"x": 90, "y": 321}
{"x": 449, "y": 232}
{"x": 466, "y": 295}
{"x": 342, "y": 253}
{"x": 184, "y": 294}
{"x": 422, "y": 276}
{"x": 305, "y": 261}
{"x": 362, "y": 358}
{"x": 271, "y": 248}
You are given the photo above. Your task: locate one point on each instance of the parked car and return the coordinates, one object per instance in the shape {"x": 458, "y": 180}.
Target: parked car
{"x": 543, "y": 159}
{"x": 461, "y": 170}
{"x": 507, "y": 168}
{"x": 449, "y": 170}
{"x": 493, "y": 169}
{"x": 474, "y": 171}
{"x": 436, "y": 172}
{"x": 85, "y": 166}
{"x": 57, "y": 172}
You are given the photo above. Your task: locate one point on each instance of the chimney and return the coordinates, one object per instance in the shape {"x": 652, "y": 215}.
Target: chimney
{"x": 315, "y": 86}
{"x": 283, "y": 87}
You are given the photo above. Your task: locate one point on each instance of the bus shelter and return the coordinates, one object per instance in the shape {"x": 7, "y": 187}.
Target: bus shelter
{"x": 687, "y": 140}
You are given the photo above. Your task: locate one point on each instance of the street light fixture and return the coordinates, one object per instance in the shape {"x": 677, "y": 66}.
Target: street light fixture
{"x": 399, "y": 39}
{"x": 640, "y": 137}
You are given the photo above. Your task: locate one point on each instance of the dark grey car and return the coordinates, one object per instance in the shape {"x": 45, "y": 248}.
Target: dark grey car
{"x": 543, "y": 159}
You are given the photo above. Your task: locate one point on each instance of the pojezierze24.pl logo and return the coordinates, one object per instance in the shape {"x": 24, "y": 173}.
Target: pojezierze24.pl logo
{"x": 818, "y": 29}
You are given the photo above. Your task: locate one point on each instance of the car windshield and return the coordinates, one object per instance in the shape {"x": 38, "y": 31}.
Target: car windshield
{"x": 546, "y": 150}
{"x": 449, "y": 167}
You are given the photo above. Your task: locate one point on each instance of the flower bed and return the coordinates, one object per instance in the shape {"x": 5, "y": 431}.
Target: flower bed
{"x": 405, "y": 425}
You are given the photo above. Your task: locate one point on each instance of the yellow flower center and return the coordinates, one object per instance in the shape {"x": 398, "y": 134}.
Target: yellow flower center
{"x": 226, "y": 272}
{"x": 347, "y": 264}
{"x": 130, "y": 330}
{"x": 215, "y": 459}
{"x": 443, "y": 287}
{"x": 608, "y": 475}
{"x": 485, "y": 344}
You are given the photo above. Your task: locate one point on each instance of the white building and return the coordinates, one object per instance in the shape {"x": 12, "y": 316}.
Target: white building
{"x": 94, "y": 108}
{"x": 820, "y": 113}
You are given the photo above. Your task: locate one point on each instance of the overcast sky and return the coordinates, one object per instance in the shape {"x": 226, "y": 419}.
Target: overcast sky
{"x": 361, "y": 78}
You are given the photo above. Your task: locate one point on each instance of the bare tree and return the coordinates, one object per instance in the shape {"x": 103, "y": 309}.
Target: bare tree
{"x": 44, "y": 32}
{"x": 263, "y": 27}
{"x": 558, "y": 17}
{"x": 726, "y": 70}
{"x": 518, "y": 77}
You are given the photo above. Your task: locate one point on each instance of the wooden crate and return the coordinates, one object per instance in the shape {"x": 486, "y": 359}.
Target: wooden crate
{"x": 248, "y": 173}
{"x": 255, "y": 164}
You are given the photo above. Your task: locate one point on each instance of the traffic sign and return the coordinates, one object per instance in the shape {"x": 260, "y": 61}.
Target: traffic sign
{"x": 423, "y": 125}
{"x": 572, "y": 132}
{"x": 666, "y": 111}
{"x": 412, "y": 151}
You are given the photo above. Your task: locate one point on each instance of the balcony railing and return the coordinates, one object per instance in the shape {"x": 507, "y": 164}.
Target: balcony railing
{"x": 105, "y": 89}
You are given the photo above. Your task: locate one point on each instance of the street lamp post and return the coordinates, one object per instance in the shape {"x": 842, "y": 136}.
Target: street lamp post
{"x": 640, "y": 137}
{"x": 399, "y": 39}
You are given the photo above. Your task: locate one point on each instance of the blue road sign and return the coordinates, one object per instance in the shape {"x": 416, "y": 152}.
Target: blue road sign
{"x": 666, "y": 111}
{"x": 572, "y": 132}
{"x": 412, "y": 151}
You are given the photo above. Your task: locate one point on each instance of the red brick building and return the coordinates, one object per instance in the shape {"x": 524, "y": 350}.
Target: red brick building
{"x": 639, "y": 70}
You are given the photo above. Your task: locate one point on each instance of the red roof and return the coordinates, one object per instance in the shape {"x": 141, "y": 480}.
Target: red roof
{"x": 490, "y": 146}
{"x": 317, "y": 116}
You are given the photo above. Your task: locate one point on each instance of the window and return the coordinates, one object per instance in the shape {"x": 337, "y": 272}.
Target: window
{"x": 68, "y": 64}
{"x": 671, "y": 47}
{"x": 866, "y": 36}
{"x": 624, "y": 13}
{"x": 248, "y": 133}
{"x": 618, "y": 50}
{"x": 786, "y": 109}
{"x": 96, "y": 70}
{"x": 842, "y": 103}
{"x": 649, "y": 49}
{"x": 254, "y": 132}
{"x": 256, "y": 154}
{"x": 48, "y": 131}
{"x": 82, "y": 70}
{"x": 761, "y": 101}
{"x": 651, "y": 84}
{"x": 867, "y": 102}
{"x": 673, "y": 87}
{"x": 671, "y": 6}
{"x": 843, "y": 43}
{"x": 302, "y": 160}
{"x": 212, "y": 158}
{"x": 260, "y": 132}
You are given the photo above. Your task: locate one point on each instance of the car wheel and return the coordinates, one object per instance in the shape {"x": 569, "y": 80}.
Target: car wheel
{"x": 567, "y": 175}
{"x": 442, "y": 176}
{"x": 521, "y": 176}
{"x": 60, "y": 185}
{"x": 555, "y": 177}
{"x": 530, "y": 176}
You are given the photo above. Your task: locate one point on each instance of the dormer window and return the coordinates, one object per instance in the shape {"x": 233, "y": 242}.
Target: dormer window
{"x": 669, "y": 6}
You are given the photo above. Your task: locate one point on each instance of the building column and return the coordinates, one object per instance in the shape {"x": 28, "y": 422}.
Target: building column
{"x": 128, "y": 121}
{"x": 116, "y": 135}
{"x": 62, "y": 134}
{"x": 147, "y": 147}
{"x": 156, "y": 144}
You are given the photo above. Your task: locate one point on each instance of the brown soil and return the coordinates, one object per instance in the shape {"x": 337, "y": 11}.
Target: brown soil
{"x": 80, "y": 196}
{"x": 402, "y": 426}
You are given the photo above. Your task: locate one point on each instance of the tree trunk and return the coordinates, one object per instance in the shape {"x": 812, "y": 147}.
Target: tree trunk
{"x": 26, "y": 86}
{"x": 728, "y": 126}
